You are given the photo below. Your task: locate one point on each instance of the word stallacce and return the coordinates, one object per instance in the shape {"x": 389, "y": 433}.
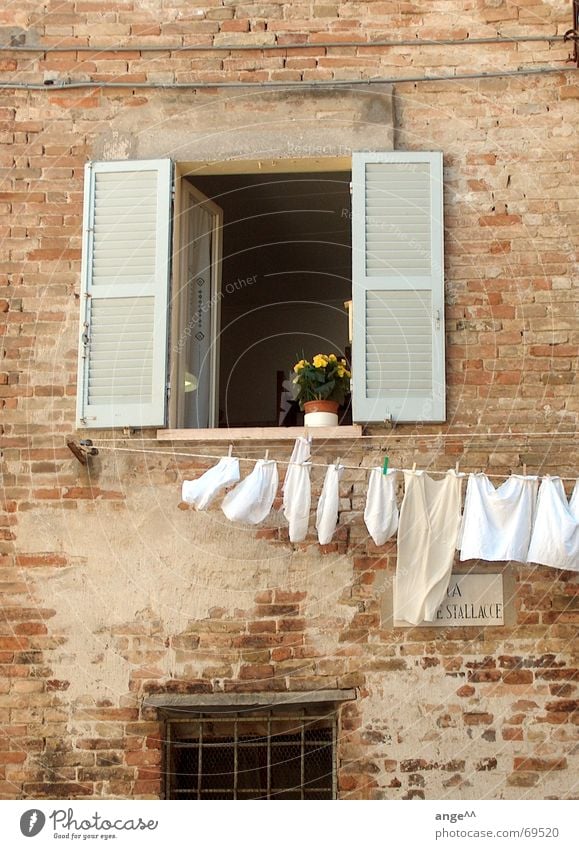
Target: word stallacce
{"x": 65, "y": 820}
{"x": 466, "y": 610}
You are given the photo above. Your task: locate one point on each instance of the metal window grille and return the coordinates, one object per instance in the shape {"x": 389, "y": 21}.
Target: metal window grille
{"x": 258, "y": 756}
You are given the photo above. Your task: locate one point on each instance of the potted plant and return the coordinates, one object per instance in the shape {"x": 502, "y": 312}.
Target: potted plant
{"x": 320, "y": 387}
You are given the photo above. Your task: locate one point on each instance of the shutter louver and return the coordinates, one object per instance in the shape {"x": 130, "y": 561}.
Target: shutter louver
{"x": 398, "y": 287}
{"x": 122, "y": 365}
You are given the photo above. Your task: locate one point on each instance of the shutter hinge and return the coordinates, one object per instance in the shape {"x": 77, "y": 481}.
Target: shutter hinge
{"x": 351, "y": 188}
{"x": 437, "y": 319}
{"x": 85, "y": 339}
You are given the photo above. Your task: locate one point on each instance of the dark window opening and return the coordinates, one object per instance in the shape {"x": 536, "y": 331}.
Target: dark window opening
{"x": 286, "y": 273}
{"x": 265, "y": 756}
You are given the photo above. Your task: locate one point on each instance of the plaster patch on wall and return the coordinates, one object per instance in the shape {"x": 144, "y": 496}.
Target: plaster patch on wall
{"x": 115, "y": 145}
{"x": 171, "y": 564}
{"x": 247, "y": 124}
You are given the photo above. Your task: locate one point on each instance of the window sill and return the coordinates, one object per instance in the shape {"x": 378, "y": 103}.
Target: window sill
{"x": 261, "y": 434}
{"x": 236, "y": 701}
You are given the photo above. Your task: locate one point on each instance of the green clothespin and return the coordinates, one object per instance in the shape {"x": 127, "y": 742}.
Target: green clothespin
{"x": 385, "y": 466}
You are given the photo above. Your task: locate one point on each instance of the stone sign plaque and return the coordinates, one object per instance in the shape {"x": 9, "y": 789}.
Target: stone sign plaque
{"x": 470, "y": 600}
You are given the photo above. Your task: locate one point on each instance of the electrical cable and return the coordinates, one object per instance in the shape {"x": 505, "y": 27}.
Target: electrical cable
{"x": 308, "y": 45}
{"x": 274, "y": 84}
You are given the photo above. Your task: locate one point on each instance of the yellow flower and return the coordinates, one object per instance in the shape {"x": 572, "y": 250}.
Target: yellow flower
{"x": 300, "y": 365}
{"x": 341, "y": 371}
{"x": 320, "y": 361}
{"x": 332, "y": 358}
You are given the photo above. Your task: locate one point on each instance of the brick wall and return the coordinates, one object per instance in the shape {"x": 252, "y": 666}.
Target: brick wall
{"x": 110, "y": 592}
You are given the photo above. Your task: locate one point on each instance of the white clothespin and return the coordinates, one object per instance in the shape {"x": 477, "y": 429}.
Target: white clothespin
{"x": 337, "y": 464}
{"x": 267, "y": 455}
{"x": 230, "y": 452}
{"x": 414, "y": 467}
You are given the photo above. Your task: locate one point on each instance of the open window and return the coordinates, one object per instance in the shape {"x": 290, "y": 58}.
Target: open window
{"x": 275, "y": 295}
{"x": 262, "y": 265}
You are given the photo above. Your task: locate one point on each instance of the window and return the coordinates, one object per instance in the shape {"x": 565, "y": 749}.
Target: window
{"x": 265, "y": 268}
{"x": 261, "y": 755}
{"x": 220, "y": 338}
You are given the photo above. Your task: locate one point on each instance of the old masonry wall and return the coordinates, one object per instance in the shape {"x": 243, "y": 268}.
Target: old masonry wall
{"x": 111, "y": 589}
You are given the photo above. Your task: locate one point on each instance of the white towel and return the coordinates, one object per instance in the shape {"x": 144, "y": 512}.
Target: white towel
{"x": 497, "y": 523}
{"x": 297, "y": 490}
{"x": 252, "y": 499}
{"x": 202, "y": 491}
{"x": 328, "y": 505}
{"x": 427, "y": 536}
{"x": 381, "y": 513}
{"x": 555, "y": 538}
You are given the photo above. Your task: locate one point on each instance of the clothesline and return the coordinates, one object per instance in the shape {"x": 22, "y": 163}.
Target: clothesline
{"x": 100, "y": 446}
{"x": 518, "y": 520}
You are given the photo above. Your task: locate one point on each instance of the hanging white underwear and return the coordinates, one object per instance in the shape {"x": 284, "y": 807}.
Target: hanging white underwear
{"x": 555, "y": 537}
{"x": 203, "y": 490}
{"x": 297, "y": 490}
{"x": 252, "y": 499}
{"x": 329, "y": 504}
{"x": 427, "y": 536}
{"x": 497, "y": 523}
{"x": 381, "y": 513}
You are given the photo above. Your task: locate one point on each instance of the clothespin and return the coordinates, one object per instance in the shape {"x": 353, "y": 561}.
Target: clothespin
{"x": 230, "y": 452}
{"x": 524, "y": 470}
{"x": 338, "y": 461}
{"x": 385, "y": 465}
{"x": 414, "y": 467}
{"x": 457, "y": 466}
{"x": 267, "y": 454}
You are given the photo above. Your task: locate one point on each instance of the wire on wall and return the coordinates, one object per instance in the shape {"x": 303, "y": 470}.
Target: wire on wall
{"x": 273, "y": 84}
{"x": 199, "y": 48}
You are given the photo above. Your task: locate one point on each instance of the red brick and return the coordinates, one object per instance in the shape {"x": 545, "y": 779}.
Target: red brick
{"x": 477, "y": 718}
{"x": 518, "y": 677}
{"x": 254, "y": 672}
{"x": 539, "y": 764}
{"x": 499, "y": 220}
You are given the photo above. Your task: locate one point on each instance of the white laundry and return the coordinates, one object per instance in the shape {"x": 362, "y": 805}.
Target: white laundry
{"x": 381, "y": 513}
{"x": 555, "y": 537}
{"x": 301, "y": 454}
{"x": 328, "y": 505}
{"x": 427, "y": 535}
{"x": 497, "y": 523}
{"x": 297, "y": 490}
{"x": 252, "y": 499}
{"x": 201, "y": 491}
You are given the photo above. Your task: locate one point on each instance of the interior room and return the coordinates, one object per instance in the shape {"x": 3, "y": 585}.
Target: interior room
{"x": 286, "y": 274}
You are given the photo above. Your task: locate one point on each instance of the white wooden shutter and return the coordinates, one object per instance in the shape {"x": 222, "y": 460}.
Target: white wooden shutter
{"x": 398, "y": 287}
{"x": 125, "y": 276}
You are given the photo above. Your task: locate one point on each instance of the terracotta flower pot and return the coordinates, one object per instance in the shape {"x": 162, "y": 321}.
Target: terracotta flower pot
{"x": 321, "y": 413}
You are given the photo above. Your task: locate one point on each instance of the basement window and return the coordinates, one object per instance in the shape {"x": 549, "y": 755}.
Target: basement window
{"x": 260, "y": 755}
